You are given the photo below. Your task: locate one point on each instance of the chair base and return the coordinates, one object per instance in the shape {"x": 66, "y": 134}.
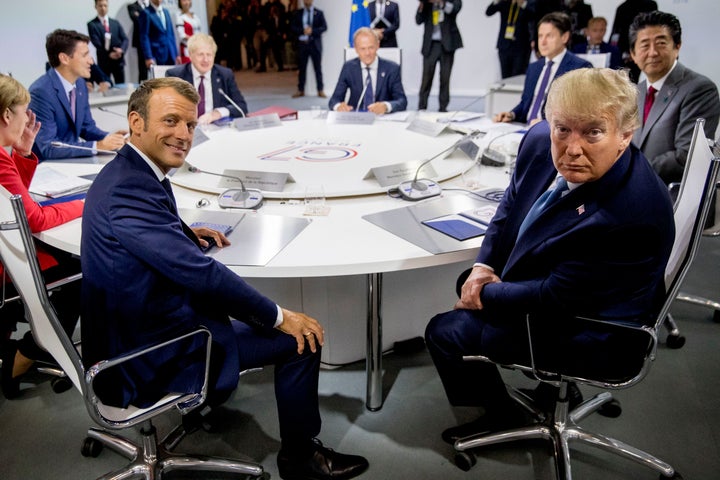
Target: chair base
{"x": 151, "y": 460}
{"x": 560, "y": 429}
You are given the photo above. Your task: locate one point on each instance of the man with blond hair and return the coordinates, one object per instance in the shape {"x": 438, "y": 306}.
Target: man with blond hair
{"x": 214, "y": 83}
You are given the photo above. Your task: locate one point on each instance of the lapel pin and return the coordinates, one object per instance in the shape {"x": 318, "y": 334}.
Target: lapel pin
{"x": 581, "y": 209}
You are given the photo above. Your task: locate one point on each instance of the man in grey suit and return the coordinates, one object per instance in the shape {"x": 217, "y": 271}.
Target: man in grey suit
{"x": 671, "y": 97}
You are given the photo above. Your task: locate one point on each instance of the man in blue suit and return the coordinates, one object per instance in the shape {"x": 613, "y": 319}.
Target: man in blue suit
{"x": 59, "y": 98}
{"x": 145, "y": 279}
{"x": 595, "y": 43}
{"x": 157, "y": 35}
{"x": 308, "y": 24}
{"x": 110, "y": 42}
{"x": 599, "y": 250}
{"x": 385, "y": 20}
{"x": 215, "y": 78}
{"x": 375, "y": 84}
{"x": 553, "y": 36}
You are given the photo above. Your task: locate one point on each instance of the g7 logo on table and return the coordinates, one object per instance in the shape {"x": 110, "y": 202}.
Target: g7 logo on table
{"x": 316, "y": 151}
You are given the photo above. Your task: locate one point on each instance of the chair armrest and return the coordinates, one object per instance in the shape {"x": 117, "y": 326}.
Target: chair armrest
{"x": 124, "y": 417}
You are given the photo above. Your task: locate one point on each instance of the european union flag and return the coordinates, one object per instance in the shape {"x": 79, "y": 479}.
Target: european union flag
{"x": 359, "y": 17}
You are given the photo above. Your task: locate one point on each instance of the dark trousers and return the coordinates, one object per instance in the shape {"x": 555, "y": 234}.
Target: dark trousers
{"x": 446, "y": 59}
{"x": 114, "y": 68}
{"x": 296, "y": 379}
{"x": 513, "y": 62}
{"x": 308, "y": 51}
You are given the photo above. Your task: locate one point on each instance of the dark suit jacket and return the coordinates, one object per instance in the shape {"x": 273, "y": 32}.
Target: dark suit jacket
{"x": 144, "y": 280}
{"x": 157, "y": 42}
{"x": 599, "y": 251}
{"x": 450, "y": 38}
{"x": 392, "y": 15}
{"x": 319, "y": 26}
{"x": 52, "y": 107}
{"x": 665, "y": 137}
{"x": 625, "y": 13}
{"x": 569, "y": 62}
{"x": 615, "y": 56}
{"x": 220, "y": 78}
{"x": 96, "y": 31}
{"x": 524, "y": 27}
{"x": 135, "y": 10}
{"x": 388, "y": 86}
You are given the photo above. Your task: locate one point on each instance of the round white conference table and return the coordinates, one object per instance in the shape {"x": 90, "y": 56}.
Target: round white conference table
{"x": 332, "y": 266}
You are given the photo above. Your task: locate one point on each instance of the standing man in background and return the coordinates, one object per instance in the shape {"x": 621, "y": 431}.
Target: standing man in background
{"x": 624, "y": 16}
{"x": 672, "y": 96}
{"x": 440, "y": 40}
{"x": 134, "y": 10}
{"x": 308, "y": 24}
{"x": 517, "y": 30}
{"x": 157, "y": 36}
{"x": 110, "y": 42}
{"x": 385, "y": 20}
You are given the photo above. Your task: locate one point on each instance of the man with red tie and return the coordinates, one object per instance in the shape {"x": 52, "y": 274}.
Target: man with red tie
{"x": 110, "y": 42}
{"x": 671, "y": 97}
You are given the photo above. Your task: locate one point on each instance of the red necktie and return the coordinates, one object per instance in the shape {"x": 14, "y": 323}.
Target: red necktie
{"x": 649, "y": 100}
{"x": 105, "y": 24}
{"x": 201, "y": 92}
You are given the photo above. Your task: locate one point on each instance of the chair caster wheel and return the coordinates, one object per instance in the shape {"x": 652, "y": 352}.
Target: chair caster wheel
{"x": 91, "y": 447}
{"x": 675, "y": 341}
{"x": 611, "y": 409}
{"x": 465, "y": 461}
{"x": 60, "y": 384}
{"x": 676, "y": 476}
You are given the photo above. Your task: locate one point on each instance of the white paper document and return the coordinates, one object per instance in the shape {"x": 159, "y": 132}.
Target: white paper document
{"x": 52, "y": 183}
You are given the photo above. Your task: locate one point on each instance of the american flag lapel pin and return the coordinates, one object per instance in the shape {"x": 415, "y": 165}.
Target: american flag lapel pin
{"x": 581, "y": 209}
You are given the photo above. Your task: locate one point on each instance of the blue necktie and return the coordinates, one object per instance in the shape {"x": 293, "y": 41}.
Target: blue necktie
{"x": 542, "y": 203}
{"x": 541, "y": 92}
{"x": 368, "y": 99}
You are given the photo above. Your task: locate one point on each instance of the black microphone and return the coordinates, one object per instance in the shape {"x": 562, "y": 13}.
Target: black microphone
{"x": 107, "y": 110}
{"x": 57, "y": 144}
{"x": 234, "y": 197}
{"x": 493, "y": 158}
{"x": 474, "y": 101}
{"x": 227, "y": 97}
{"x": 418, "y": 189}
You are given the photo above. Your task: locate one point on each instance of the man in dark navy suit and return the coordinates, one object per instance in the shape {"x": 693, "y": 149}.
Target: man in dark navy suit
{"x": 157, "y": 35}
{"x": 516, "y": 34}
{"x": 202, "y": 49}
{"x": 599, "y": 250}
{"x": 110, "y": 42}
{"x": 375, "y": 84}
{"x": 135, "y": 9}
{"x": 308, "y": 24}
{"x": 595, "y": 43}
{"x": 146, "y": 279}
{"x": 385, "y": 20}
{"x": 552, "y": 39}
{"x": 59, "y": 98}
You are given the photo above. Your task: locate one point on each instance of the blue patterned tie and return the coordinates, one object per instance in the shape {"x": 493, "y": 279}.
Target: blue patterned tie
{"x": 541, "y": 92}
{"x": 542, "y": 203}
{"x": 369, "y": 97}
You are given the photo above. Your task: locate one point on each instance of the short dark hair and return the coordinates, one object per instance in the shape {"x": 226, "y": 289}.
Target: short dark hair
{"x": 140, "y": 98}
{"x": 560, "y": 20}
{"x": 62, "y": 41}
{"x": 655, "y": 19}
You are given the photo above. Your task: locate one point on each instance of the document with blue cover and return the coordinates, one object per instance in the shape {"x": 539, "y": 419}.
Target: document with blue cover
{"x": 457, "y": 226}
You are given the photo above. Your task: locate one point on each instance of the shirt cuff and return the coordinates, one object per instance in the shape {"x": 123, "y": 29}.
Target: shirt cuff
{"x": 388, "y": 107}
{"x": 224, "y": 112}
{"x": 480, "y": 264}
{"x": 279, "y": 319}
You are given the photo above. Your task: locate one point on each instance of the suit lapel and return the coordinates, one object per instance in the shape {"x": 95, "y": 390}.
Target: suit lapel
{"x": 662, "y": 100}
{"x": 62, "y": 97}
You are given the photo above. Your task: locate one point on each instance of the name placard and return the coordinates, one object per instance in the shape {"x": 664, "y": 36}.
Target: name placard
{"x": 260, "y": 121}
{"x": 389, "y": 175}
{"x": 265, "y": 181}
{"x": 351, "y": 118}
{"x": 424, "y": 127}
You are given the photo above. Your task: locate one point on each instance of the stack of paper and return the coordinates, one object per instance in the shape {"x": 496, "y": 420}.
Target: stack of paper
{"x": 52, "y": 183}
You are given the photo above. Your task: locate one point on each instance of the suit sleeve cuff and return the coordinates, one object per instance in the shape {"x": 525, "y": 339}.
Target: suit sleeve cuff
{"x": 388, "y": 107}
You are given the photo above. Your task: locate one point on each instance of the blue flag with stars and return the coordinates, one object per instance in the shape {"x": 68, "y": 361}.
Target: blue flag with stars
{"x": 359, "y": 17}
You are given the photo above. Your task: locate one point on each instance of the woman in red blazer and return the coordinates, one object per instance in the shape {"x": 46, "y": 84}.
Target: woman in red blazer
{"x": 18, "y": 128}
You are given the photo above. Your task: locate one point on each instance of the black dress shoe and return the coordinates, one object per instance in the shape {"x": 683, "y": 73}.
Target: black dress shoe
{"x": 10, "y": 386}
{"x": 488, "y": 423}
{"x": 545, "y": 396}
{"x": 323, "y": 464}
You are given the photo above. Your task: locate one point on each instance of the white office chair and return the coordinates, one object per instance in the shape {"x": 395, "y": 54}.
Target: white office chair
{"x": 598, "y": 60}
{"x": 560, "y": 426}
{"x": 158, "y": 71}
{"x": 388, "y": 53}
{"x": 150, "y": 458}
